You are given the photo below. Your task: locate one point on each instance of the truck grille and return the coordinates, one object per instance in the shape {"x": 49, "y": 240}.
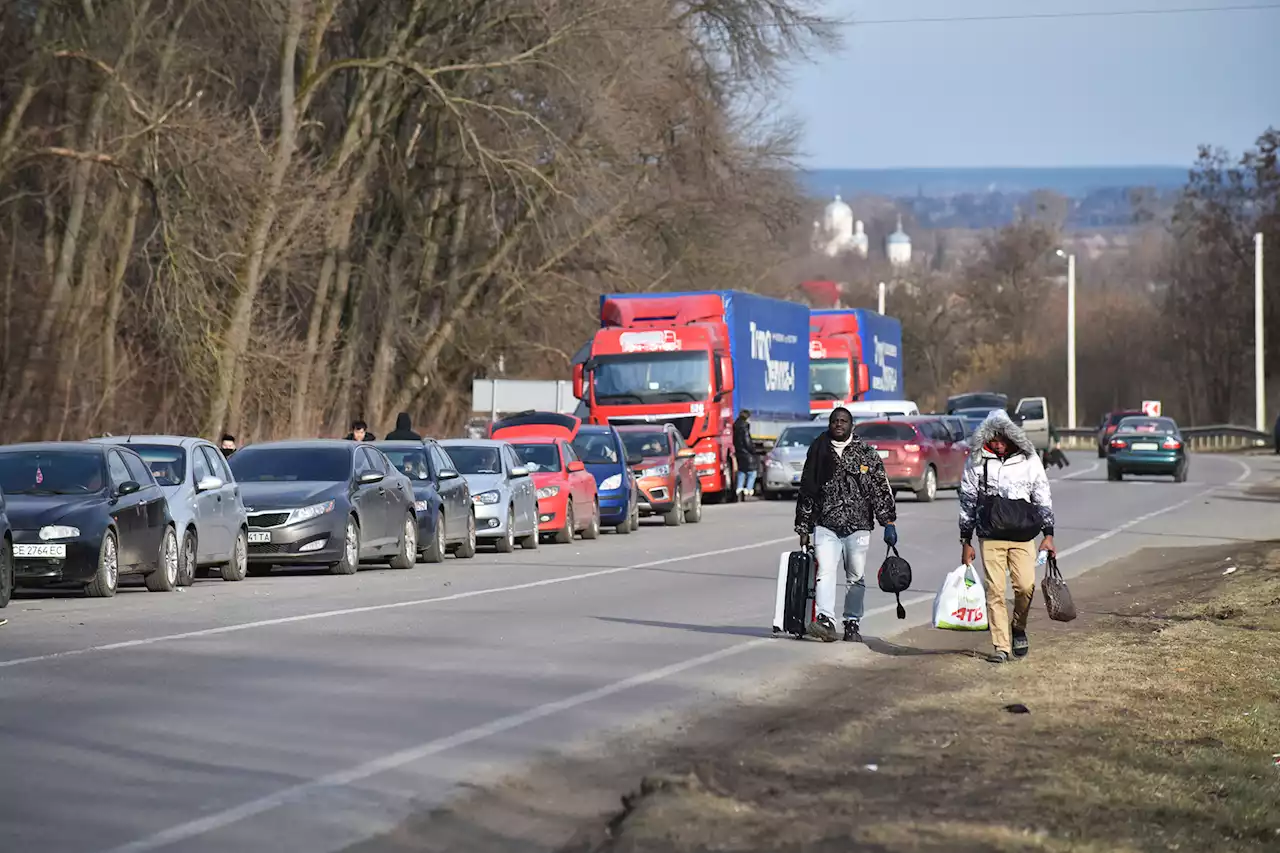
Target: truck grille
{"x": 268, "y": 519}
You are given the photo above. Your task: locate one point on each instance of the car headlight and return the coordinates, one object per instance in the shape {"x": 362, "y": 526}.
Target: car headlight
{"x": 58, "y": 531}
{"x": 773, "y": 463}
{"x": 486, "y": 498}
{"x": 614, "y": 482}
{"x": 657, "y": 471}
{"x": 548, "y": 492}
{"x": 708, "y": 458}
{"x": 422, "y": 506}
{"x": 307, "y": 513}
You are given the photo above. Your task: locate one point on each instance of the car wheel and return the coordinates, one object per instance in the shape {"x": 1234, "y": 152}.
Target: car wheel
{"x": 1102, "y": 453}
{"x": 107, "y": 576}
{"x": 407, "y": 554}
{"x": 467, "y": 549}
{"x": 187, "y": 559}
{"x": 1180, "y": 475}
{"x": 165, "y": 576}
{"x": 929, "y": 488}
{"x": 350, "y": 562}
{"x": 507, "y": 543}
{"x": 674, "y": 517}
{"x": 436, "y": 551}
{"x": 237, "y": 567}
{"x": 592, "y": 530}
{"x": 1113, "y": 474}
{"x": 530, "y": 542}
{"x": 6, "y": 572}
{"x": 625, "y": 527}
{"x": 694, "y": 514}
{"x": 565, "y": 534}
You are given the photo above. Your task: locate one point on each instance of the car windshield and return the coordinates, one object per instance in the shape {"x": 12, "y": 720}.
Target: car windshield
{"x": 653, "y": 377}
{"x": 411, "y": 462}
{"x": 52, "y": 472}
{"x": 474, "y": 459}
{"x": 539, "y": 457}
{"x": 986, "y": 401}
{"x": 828, "y": 379}
{"x": 291, "y": 464}
{"x": 800, "y": 436}
{"x": 168, "y": 464}
{"x": 645, "y": 443}
{"x": 885, "y": 432}
{"x": 596, "y": 448}
{"x": 1155, "y": 426}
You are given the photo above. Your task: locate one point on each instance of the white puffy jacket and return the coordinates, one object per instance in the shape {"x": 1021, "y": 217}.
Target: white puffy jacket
{"x": 1019, "y": 477}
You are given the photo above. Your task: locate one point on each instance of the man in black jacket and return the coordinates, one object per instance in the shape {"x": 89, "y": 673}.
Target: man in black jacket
{"x": 745, "y": 453}
{"x": 360, "y": 432}
{"x": 844, "y": 491}
{"x": 404, "y": 429}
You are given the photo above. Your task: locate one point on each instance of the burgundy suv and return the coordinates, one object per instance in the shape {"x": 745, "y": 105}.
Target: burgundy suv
{"x": 920, "y": 453}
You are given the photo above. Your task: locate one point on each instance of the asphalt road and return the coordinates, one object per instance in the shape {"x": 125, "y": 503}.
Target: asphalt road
{"x": 303, "y": 712}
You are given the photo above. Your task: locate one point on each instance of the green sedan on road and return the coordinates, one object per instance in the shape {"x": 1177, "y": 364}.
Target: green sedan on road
{"x": 1145, "y": 445}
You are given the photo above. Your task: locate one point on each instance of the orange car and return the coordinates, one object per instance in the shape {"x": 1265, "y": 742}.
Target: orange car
{"x": 667, "y": 476}
{"x": 567, "y": 499}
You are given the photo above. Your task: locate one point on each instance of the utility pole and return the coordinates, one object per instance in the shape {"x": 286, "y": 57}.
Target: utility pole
{"x": 1259, "y": 350}
{"x": 881, "y": 308}
{"x": 1071, "y": 340}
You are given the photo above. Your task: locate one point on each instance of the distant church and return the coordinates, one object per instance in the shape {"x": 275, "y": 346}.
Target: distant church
{"x": 839, "y": 234}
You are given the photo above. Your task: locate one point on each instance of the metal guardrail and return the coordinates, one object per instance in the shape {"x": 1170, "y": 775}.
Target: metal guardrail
{"x": 1220, "y": 438}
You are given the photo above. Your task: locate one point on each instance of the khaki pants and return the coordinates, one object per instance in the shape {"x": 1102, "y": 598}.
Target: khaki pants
{"x": 1017, "y": 561}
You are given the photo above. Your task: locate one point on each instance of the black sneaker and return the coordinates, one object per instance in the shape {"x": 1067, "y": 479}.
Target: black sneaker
{"x": 1020, "y": 644}
{"x": 851, "y": 634}
{"x": 999, "y": 657}
{"x": 822, "y": 629}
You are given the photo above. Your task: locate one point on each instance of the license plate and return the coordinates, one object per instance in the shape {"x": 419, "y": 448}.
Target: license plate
{"x": 258, "y": 537}
{"x": 884, "y": 454}
{"x": 50, "y": 552}
{"x": 1145, "y": 445}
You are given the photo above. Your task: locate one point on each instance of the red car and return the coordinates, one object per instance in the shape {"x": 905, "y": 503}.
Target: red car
{"x": 1107, "y": 428}
{"x": 920, "y": 453}
{"x": 567, "y": 499}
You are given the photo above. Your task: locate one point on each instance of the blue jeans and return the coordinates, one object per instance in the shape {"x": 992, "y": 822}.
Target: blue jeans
{"x": 849, "y": 552}
{"x": 747, "y": 480}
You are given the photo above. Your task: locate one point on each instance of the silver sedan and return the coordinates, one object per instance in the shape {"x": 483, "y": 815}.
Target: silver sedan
{"x": 784, "y": 464}
{"x": 204, "y": 501}
{"x": 502, "y": 491}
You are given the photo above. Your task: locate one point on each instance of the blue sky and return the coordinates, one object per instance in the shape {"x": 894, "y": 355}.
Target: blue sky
{"x": 1142, "y": 90}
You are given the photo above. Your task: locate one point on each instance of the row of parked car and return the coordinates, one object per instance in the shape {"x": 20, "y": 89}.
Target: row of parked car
{"x": 81, "y": 514}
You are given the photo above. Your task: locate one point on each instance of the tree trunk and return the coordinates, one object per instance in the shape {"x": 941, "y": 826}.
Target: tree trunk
{"x": 115, "y": 298}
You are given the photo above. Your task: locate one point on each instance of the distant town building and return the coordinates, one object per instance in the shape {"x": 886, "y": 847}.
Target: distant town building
{"x": 838, "y": 234}
{"x": 898, "y": 246}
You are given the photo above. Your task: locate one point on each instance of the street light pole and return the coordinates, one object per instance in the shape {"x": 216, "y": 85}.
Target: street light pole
{"x": 1071, "y": 340}
{"x": 1259, "y": 351}
{"x": 881, "y": 308}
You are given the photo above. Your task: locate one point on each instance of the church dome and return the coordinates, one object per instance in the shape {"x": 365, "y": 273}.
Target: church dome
{"x": 837, "y": 218}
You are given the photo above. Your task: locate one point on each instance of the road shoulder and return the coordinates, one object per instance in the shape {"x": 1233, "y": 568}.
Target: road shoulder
{"x": 1152, "y": 723}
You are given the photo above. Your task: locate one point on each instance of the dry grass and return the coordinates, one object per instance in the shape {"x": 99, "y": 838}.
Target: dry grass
{"x": 1150, "y": 730}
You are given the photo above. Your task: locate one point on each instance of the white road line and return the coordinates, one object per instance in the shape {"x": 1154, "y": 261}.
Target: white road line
{"x": 1079, "y": 473}
{"x": 395, "y": 760}
{"x": 374, "y": 608}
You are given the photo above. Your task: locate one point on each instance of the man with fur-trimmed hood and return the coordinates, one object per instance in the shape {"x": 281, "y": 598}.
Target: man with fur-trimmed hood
{"x": 1004, "y": 498}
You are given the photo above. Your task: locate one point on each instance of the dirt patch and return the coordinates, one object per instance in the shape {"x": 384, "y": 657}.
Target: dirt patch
{"x": 1152, "y": 723}
{"x": 1146, "y": 726}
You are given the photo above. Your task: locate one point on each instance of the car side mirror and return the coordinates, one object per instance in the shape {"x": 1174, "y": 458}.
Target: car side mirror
{"x": 634, "y": 459}
{"x": 128, "y": 487}
{"x": 517, "y": 473}
{"x": 685, "y": 453}
{"x": 448, "y": 474}
{"x": 209, "y": 484}
{"x": 576, "y": 466}
{"x": 369, "y": 477}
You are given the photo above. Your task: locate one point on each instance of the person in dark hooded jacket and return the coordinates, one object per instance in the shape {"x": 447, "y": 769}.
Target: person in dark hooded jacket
{"x": 404, "y": 429}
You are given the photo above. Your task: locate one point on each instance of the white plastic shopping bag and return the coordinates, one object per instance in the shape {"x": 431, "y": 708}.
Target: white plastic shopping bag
{"x": 961, "y": 604}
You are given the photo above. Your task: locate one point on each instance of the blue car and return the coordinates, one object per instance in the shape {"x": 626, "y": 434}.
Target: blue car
{"x": 601, "y": 449}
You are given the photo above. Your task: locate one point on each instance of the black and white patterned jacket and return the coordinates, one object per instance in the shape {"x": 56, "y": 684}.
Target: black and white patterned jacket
{"x": 844, "y": 493}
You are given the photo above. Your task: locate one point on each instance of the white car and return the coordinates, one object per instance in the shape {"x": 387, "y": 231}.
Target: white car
{"x": 502, "y": 491}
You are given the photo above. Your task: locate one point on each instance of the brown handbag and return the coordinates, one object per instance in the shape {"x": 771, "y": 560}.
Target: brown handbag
{"x": 1057, "y": 598}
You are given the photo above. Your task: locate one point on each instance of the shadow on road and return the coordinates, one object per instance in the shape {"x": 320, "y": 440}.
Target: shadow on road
{"x": 731, "y": 630}
{"x": 884, "y": 647}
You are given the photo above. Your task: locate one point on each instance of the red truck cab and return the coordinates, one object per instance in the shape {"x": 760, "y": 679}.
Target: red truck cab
{"x": 838, "y": 373}
{"x": 666, "y": 359}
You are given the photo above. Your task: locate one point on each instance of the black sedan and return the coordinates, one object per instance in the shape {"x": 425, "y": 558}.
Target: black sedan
{"x": 442, "y": 498}
{"x": 82, "y": 514}
{"x": 325, "y": 502}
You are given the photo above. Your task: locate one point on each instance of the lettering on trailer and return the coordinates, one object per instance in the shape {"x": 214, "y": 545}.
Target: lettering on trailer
{"x": 779, "y": 375}
{"x": 663, "y": 340}
{"x": 888, "y": 378}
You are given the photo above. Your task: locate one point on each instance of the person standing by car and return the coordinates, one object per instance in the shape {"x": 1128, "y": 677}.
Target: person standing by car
{"x": 745, "y": 452}
{"x": 1004, "y": 498}
{"x": 227, "y": 445}
{"x": 404, "y": 429}
{"x": 360, "y": 432}
{"x": 844, "y": 491}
